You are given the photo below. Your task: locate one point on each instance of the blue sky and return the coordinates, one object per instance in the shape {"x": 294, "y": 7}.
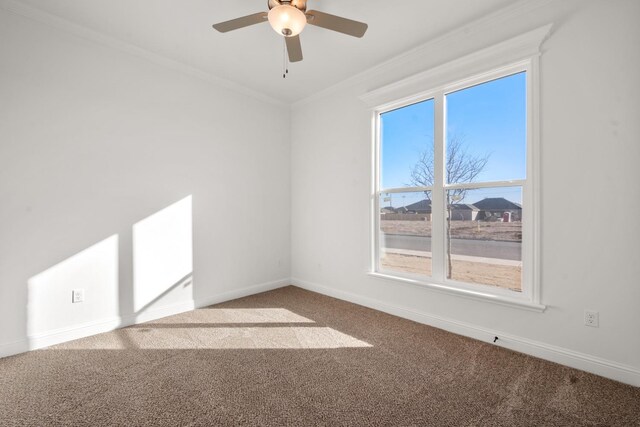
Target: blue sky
{"x": 490, "y": 118}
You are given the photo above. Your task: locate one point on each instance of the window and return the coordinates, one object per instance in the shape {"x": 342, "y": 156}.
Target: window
{"x": 453, "y": 203}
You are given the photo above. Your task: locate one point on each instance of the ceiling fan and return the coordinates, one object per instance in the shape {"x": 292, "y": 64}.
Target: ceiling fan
{"x": 289, "y": 17}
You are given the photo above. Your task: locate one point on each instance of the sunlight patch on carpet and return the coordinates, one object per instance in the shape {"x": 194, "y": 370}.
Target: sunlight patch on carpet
{"x": 236, "y": 316}
{"x": 293, "y": 337}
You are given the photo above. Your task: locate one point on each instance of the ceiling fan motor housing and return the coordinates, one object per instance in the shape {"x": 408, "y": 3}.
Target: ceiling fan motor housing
{"x": 298, "y": 4}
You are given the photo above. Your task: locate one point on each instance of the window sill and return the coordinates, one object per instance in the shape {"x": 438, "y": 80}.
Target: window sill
{"x": 465, "y": 293}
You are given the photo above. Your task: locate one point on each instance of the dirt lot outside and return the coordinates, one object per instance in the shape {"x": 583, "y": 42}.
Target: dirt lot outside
{"x": 503, "y": 276}
{"x": 464, "y": 270}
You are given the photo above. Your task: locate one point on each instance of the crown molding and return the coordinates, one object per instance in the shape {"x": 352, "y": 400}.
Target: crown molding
{"x": 21, "y": 9}
{"x": 458, "y": 36}
{"x": 503, "y": 54}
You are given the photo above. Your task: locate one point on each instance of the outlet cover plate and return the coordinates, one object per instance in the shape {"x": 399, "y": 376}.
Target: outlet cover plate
{"x": 77, "y": 295}
{"x": 591, "y": 318}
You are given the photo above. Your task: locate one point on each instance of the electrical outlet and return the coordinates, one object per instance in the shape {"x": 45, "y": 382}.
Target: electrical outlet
{"x": 591, "y": 318}
{"x": 77, "y": 295}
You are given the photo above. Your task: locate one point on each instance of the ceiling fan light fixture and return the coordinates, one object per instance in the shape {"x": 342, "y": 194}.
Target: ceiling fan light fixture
{"x": 287, "y": 20}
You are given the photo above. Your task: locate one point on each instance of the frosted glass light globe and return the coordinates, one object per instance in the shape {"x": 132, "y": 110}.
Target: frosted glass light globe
{"x": 287, "y": 20}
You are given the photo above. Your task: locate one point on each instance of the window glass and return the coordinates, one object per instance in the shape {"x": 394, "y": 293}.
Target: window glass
{"x": 484, "y": 236}
{"x": 486, "y": 131}
{"x": 478, "y": 239}
{"x": 407, "y": 141}
{"x": 405, "y": 232}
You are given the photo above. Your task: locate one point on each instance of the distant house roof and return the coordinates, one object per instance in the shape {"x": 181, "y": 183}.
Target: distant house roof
{"x": 488, "y": 204}
{"x": 464, "y": 207}
{"x": 422, "y": 205}
{"x": 497, "y": 204}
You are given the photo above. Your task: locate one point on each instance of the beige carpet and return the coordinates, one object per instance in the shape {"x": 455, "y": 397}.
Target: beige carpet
{"x": 292, "y": 357}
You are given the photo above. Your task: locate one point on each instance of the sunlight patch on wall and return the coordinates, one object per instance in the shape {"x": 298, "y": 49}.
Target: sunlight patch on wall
{"x": 163, "y": 255}
{"x": 95, "y": 270}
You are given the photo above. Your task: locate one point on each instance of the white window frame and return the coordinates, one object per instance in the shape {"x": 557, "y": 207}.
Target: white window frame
{"x": 524, "y": 52}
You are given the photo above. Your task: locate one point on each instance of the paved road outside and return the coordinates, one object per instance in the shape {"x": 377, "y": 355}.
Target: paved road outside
{"x": 468, "y": 247}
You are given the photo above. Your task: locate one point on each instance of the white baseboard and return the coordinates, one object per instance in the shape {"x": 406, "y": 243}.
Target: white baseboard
{"x": 585, "y": 362}
{"x": 58, "y": 336}
{"x": 157, "y": 313}
{"x": 243, "y": 292}
{"x": 13, "y": 347}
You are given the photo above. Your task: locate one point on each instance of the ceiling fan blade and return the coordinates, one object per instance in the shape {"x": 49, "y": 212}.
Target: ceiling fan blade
{"x": 336, "y": 23}
{"x": 237, "y": 23}
{"x": 294, "y": 48}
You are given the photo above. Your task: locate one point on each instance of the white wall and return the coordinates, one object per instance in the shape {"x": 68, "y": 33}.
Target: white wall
{"x": 590, "y": 152}
{"x": 112, "y": 169}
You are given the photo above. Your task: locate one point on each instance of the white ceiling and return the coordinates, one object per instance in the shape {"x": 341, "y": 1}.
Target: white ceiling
{"x": 181, "y": 30}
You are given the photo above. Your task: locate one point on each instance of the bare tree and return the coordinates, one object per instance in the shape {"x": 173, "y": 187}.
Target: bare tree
{"x": 461, "y": 167}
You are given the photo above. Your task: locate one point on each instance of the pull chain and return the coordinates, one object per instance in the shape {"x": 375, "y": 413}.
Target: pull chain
{"x": 285, "y": 67}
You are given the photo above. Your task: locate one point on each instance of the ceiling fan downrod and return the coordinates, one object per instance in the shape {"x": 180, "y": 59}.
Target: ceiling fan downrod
{"x": 285, "y": 63}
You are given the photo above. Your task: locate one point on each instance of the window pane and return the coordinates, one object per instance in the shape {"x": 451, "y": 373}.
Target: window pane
{"x": 484, "y": 236}
{"x": 487, "y": 131}
{"x": 406, "y": 148}
{"x": 405, "y": 233}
